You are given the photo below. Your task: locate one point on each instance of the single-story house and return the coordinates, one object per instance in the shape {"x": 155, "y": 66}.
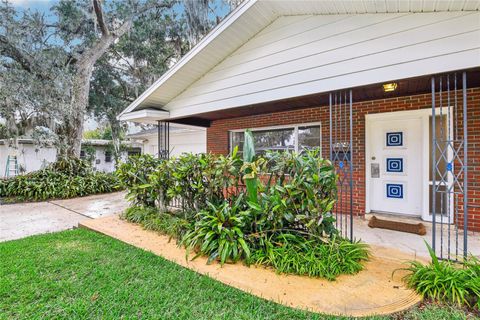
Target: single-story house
{"x": 182, "y": 139}
{"x": 389, "y": 90}
{"x": 31, "y": 157}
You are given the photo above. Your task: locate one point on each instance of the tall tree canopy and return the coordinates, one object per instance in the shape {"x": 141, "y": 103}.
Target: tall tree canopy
{"x": 89, "y": 56}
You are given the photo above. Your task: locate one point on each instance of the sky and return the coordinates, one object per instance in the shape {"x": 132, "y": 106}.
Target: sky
{"x": 41, "y": 5}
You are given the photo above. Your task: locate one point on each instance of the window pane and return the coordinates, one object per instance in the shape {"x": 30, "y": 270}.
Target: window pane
{"x": 308, "y": 138}
{"x": 442, "y": 165}
{"x": 277, "y": 140}
{"x": 237, "y": 139}
{"x": 282, "y": 139}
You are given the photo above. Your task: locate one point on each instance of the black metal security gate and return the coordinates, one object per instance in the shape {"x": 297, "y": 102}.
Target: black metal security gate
{"x": 449, "y": 169}
{"x": 163, "y": 139}
{"x": 341, "y": 155}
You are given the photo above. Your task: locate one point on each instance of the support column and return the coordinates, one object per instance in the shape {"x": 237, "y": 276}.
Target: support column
{"x": 163, "y": 139}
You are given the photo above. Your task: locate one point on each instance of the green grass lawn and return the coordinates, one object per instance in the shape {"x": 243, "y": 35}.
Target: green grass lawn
{"x": 80, "y": 274}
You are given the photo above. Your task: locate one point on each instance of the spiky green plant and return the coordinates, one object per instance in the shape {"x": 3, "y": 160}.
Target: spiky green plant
{"x": 446, "y": 281}
{"x": 219, "y": 232}
{"x": 294, "y": 254}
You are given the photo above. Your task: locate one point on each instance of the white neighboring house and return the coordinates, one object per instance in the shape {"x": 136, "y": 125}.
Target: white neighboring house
{"x": 182, "y": 139}
{"x": 32, "y": 157}
{"x": 102, "y": 159}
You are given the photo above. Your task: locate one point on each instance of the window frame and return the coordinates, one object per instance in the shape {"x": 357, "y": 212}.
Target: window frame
{"x": 287, "y": 126}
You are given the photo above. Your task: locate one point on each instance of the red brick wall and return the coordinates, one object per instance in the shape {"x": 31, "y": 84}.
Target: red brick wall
{"x": 217, "y": 137}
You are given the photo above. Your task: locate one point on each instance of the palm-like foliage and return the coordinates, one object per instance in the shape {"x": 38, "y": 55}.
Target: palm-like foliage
{"x": 219, "y": 232}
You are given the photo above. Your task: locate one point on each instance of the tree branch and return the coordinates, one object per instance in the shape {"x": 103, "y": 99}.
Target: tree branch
{"x": 26, "y": 62}
{"x": 9, "y": 50}
{"x": 120, "y": 31}
{"x": 100, "y": 19}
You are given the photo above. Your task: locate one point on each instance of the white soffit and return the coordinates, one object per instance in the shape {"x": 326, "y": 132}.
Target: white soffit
{"x": 150, "y": 116}
{"x": 250, "y": 18}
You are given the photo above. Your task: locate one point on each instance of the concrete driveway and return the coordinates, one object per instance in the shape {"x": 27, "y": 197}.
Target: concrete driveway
{"x": 26, "y": 219}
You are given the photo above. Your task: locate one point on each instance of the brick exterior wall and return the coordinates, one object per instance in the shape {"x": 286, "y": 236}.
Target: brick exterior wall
{"x": 218, "y": 137}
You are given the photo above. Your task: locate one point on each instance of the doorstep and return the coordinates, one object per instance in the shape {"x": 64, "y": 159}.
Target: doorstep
{"x": 373, "y": 291}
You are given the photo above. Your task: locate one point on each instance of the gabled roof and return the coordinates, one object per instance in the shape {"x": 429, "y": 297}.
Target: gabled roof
{"x": 250, "y": 18}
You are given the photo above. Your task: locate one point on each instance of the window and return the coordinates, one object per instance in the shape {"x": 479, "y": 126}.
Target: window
{"x": 134, "y": 152}
{"x": 82, "y": 154}
{"x": 286, "y": 138}
{"x": 108, "y": 156}
{"x": 442, "y": 202}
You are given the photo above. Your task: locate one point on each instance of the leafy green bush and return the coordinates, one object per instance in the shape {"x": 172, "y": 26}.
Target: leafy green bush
{"x": 203, "y": 177}
{"x": 219, "y": 232}
{"x": 282, "y": 214}
{"x": 66, "y": 178}
{"x": 300, "y": 193}
{"x": 134, "y": 175}
{"x": 294, "y": 254}
{"x": 444, "y": 281}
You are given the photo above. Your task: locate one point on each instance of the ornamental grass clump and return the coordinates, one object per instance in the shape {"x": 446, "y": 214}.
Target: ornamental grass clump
{"x": 273, "y": 210}
{"x": 446, "y": 281}
{"x": 295, "y": 254}
{"x": 151, "y": 218}
{"x": 65, "y": 178}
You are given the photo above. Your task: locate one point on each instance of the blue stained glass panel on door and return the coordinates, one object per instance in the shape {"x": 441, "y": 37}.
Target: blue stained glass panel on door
{"x": 394, "y": 139}
{"x": 394, "y": 165}
{"x": 394, "y": 190}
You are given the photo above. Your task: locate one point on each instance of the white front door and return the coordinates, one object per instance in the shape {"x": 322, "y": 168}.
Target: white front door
{"x": 395, "y": 164}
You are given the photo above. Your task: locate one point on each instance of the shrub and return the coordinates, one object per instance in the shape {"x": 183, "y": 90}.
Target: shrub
{"x": 219, "y": 232}
{"x": 66, "y": 178}
{"x": 134, "y": 175}
{"x": 282, "y": 214}
{"x": 302, "y": 191}
{"x": 203, "y": 177}
{"x": 294, "y": 254}
{"x": 446, "y": 282}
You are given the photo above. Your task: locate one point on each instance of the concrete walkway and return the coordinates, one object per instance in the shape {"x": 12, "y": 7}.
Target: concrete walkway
{"x": 415, "y": 244}
{"x": 373, "y": 291}
{"x": 25, "y": 219}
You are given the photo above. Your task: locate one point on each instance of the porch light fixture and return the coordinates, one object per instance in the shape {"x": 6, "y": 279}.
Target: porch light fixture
{"x": 389, "y": 87}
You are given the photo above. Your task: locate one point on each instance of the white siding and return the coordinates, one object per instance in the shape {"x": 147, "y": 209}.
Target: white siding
{"x": 299, "y": 55}
{"x": 194, "y": 142}
{"x": 30, "y": 157}
{"x": 180, "y": 142}
{"x": 99, "y": 162}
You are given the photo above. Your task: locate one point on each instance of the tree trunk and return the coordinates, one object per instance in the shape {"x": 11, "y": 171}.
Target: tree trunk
{"x": 116, "y": 140}
{"x": 80, "y": 91}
